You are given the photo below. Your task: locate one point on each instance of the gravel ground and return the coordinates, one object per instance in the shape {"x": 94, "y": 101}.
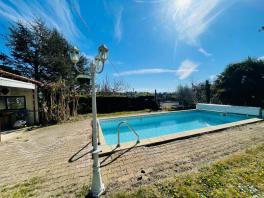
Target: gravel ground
{"x": 61, "y": 157}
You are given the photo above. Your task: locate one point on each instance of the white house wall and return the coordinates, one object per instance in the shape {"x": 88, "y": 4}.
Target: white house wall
{"x": 6, "y": 82}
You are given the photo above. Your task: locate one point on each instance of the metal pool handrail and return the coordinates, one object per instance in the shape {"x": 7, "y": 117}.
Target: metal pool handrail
{"x": 130, "y": 128}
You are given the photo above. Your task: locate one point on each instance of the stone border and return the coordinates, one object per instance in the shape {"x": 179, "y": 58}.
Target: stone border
{"x": 143, "y": 114}
{"x": 107, "y": 149}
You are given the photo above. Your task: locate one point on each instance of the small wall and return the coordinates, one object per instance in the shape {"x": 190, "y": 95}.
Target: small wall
{"x": 255, "y": 111}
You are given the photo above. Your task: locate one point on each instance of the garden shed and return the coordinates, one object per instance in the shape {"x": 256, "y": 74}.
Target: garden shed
{"x": 18, "y": 100}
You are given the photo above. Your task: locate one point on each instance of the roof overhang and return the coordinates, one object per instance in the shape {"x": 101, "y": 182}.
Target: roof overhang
{"x": 6, "y": 82}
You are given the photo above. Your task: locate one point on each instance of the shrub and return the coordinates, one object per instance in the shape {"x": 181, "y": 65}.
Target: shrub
{"x": 107, "y": 104}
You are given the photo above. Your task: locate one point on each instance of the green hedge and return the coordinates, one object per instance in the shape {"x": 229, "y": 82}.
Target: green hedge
{"x": 109, "y": 104}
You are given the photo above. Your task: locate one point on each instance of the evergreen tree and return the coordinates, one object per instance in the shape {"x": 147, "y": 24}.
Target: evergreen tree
{"x": 41, "y": 53}
{"x": 19, "y": 42}
{"x": 242, "y": 83}
{"x": 5, "y": 64}
{"x": 207, "y": 91}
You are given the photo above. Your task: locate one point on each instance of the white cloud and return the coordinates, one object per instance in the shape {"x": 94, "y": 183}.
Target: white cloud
{"x": 204, "y": 52}
{"x": 212, "y": 77}
{"x": 89, "y": 57}
{"x": 191, "y": 18}
{"x": 117, "y": 62}
{"x": 56, "y": 14}
{"x": 118, "y": 24}
{"x": 261, "y": 58}
{"x": 148, "y": 1}
{"x": 8, "y": 12}
{"x": 186, "y": 68}
{"x": 146, "y": 71}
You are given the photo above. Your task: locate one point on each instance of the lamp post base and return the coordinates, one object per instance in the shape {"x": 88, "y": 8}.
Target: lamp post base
{"x": 98, "y": 187}
{"x": 99, "y": 193}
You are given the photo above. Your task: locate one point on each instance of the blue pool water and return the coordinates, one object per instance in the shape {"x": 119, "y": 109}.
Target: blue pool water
{"x": 155, "y": 125}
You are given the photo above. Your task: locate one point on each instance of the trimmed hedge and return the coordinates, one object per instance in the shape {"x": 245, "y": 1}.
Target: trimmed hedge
{"x": 109, "y": 104}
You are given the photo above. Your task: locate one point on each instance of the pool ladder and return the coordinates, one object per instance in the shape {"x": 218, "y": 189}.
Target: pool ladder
{"x": 129, "y": 127}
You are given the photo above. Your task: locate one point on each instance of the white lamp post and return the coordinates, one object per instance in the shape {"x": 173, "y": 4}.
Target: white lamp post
{"x": 96, "y": 66}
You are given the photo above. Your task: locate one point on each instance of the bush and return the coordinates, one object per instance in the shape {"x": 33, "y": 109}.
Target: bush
{"x": 108, "y": 104}
{"x": 241, "y": 84}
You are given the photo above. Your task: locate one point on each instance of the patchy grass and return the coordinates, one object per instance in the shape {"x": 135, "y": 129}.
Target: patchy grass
{"x": 25, "y": 189}
{"x": 240, "y": 175}
{"x": 78, "y": 117}
{"x": 84, "y": 192}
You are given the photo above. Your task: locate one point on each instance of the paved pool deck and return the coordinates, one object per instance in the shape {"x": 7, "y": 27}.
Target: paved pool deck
{"x": 60, "y": 156}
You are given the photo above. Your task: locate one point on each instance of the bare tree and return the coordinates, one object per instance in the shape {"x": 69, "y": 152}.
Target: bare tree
{"x": 108, "y": 87}
{"x": 119, "y": 86}
{"x": 105, "y": 86}
{"x": 185, "y": 95}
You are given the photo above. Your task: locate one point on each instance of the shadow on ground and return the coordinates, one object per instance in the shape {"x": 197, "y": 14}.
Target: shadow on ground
{"x": 104, "y": 161}
{"x": 78, "y": 155}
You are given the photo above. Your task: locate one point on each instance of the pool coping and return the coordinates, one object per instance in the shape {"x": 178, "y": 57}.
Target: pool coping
{"x": 108, "y": 149}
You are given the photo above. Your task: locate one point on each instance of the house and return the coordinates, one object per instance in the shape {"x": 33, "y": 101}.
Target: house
{"x": 18, "y": 100}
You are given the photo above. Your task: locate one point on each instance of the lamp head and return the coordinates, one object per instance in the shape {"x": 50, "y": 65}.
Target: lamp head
{"x": 83, "y": 79}
{"x": 103, "y": 53}
{"x": 74, "y": 55}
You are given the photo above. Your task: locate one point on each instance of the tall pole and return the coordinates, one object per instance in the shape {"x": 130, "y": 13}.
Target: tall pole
{"x": 97, "y": 182}
{"x": 97, "y": 187}
{"x": 94, "y": 111}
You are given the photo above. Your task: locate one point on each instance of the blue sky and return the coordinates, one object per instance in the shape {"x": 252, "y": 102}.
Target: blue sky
{"x": 154, "y": 44}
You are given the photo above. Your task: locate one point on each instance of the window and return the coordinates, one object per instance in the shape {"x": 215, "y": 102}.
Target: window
{"x": 2, "y": 103}
{"x": 12, "y": 102}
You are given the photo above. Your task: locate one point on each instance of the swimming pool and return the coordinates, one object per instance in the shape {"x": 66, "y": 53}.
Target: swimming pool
{"x": 161, "y": 124}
